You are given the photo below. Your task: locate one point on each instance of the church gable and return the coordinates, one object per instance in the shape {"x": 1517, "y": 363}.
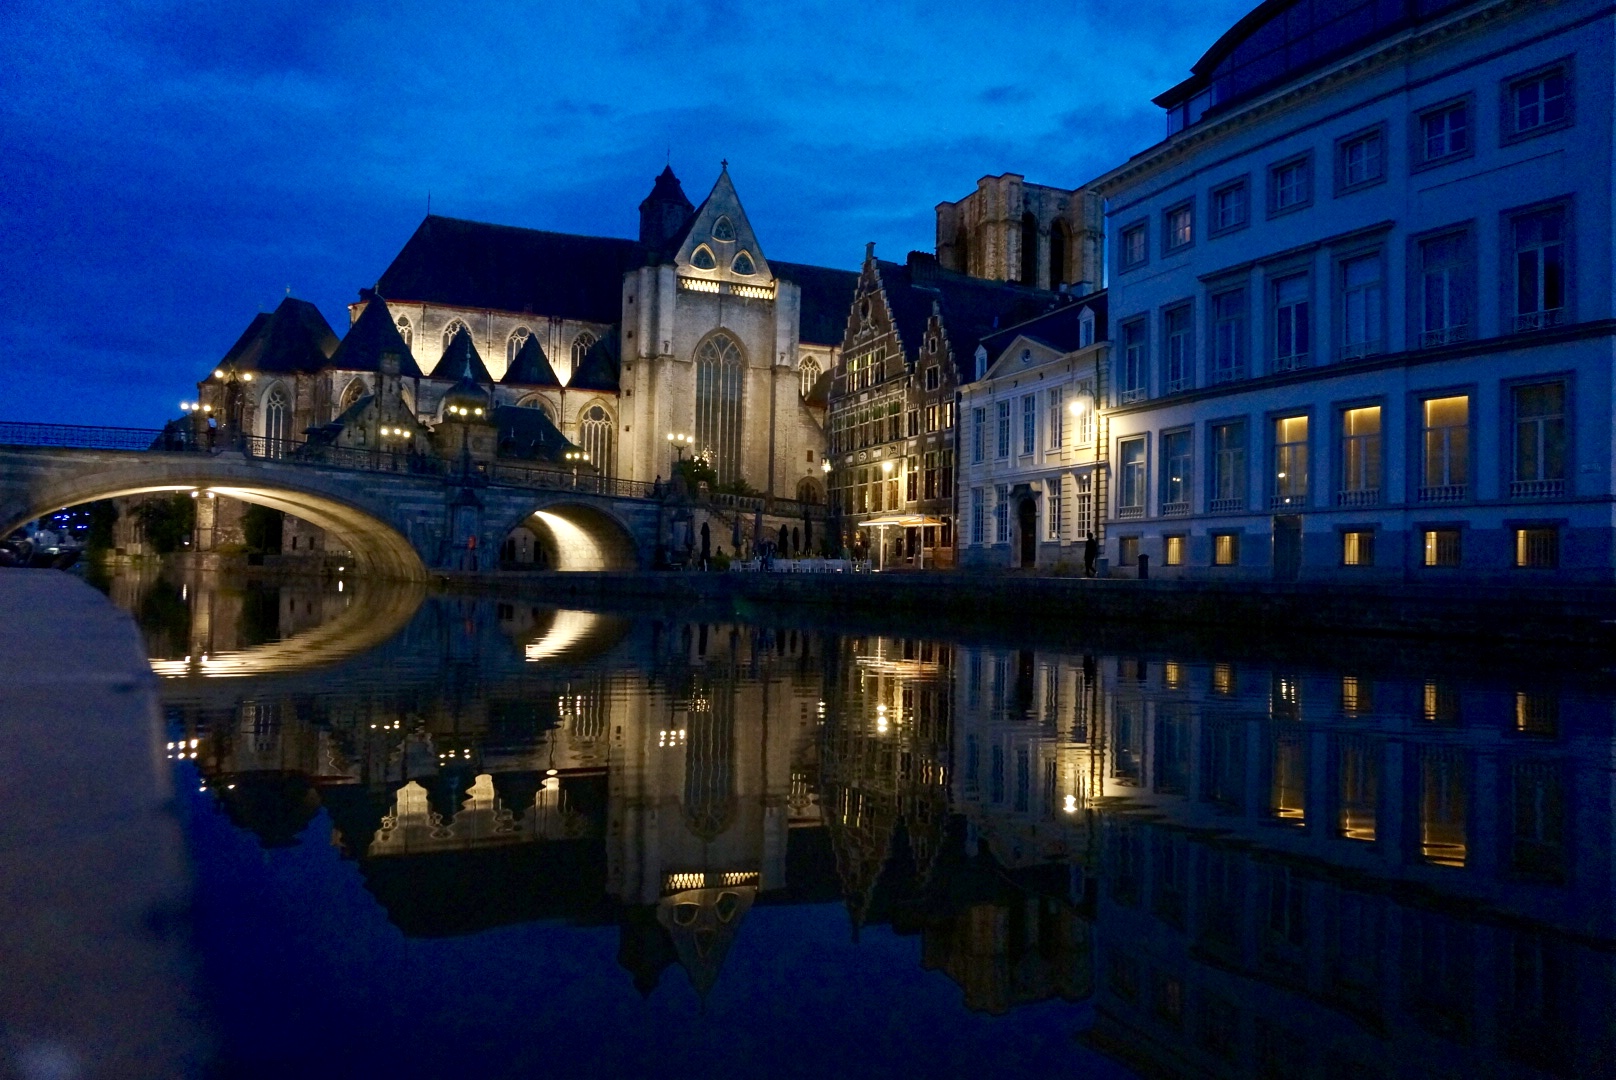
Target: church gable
{"x": 719, "y": 244}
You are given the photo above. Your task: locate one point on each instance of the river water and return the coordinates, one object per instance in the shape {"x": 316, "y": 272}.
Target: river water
{"x": 442, "y": 835}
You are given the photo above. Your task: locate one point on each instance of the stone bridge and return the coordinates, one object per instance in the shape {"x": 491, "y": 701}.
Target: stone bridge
{"x": 399, "y": 517}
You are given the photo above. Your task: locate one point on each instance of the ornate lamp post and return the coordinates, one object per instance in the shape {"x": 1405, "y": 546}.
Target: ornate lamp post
{"x": 575, "y": 456}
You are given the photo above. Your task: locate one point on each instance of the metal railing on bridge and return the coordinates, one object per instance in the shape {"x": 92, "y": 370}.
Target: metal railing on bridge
{"x": 80, "y": 437}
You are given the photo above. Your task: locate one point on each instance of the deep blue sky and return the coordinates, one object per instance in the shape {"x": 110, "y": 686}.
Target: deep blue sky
{"x": 169, "y": 169}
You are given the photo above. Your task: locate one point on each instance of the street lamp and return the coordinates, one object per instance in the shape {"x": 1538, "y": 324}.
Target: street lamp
{"x": 575, "y": 456}
{"x": 679, "y": 441}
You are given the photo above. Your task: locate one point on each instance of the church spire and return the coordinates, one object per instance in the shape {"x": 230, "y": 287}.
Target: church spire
{"x": 665, "y": 211}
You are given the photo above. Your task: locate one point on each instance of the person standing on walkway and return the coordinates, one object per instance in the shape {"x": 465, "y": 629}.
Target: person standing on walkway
{"x": 1091, "y": 554}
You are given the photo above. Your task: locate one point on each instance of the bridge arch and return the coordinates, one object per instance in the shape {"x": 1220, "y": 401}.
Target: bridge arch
{"x": 578, "y": 536}
{"x": 378, "y": 548}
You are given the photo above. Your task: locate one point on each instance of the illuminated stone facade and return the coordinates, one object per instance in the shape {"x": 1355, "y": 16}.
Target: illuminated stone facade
{"x": 1010, "y": 230}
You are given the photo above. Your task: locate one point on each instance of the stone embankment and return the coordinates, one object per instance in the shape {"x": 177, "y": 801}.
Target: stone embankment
{"x": 1541, "y": 616}
{"x": 93, "y": 875}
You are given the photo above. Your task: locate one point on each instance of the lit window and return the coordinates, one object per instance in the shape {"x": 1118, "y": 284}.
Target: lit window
{"x": 1358, "y": 547}
{"x": 1290, "y": 461}
{"x": 1225, "y": 549}
{"x": 1173, "y": 551}
{"x": 1177, "y": 465}
{"x": 1180, "y": 226}
{"x": 1441, "y": 548}
{"x": 1445, "y": 438}
{"x": 1360, "y": 457}
{"x": 1537, "y": 548}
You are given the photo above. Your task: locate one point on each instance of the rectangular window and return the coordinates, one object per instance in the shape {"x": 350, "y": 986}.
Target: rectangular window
{"x": 1229, "y": 335}
{"x": 978, "y": 516}
{"x": 1176, "y": 461}
{"x": 1231, "y": 207}
{"x": 1540, "y": 441}
{"x": 1178, "y": 358}
{"x": 933, "y": 377}
{"x": 1537, "y": 103}
{"x": 1228, "y": 467}
{"x": 1443, "y": 133}
{"x": 1083, "y": 505}
{"x": 1362, "y": 307}
{"x": 1004, "y": 428}
{"x": 1029, "y": 423}
{"x": 1360, "y": 457}
{"x": 1442, "y": 548}
{"x": 1055, "y": 516}
{"x": 929, "y": 476}
{"x": 948, "y": 415}
{"x": 1290, "y": 461}
{"x": 1225, "y": 549}
{"x": 1537, "y": 548}
{"x": 914, "y": 422}
{"x": 1290, "y": 185}
{"x": 1131, "y": 493}
{"x": 1083, "y": 409}
{"x": 1057, "y": 418}
{"x": 946, "y": 484}
{"x": 1445, "y": 440}
{"x": 979, "y": 434}
{"x": 1173, "y": 550}
{"x": 1358, "y": 547}
{"x": 1292, "y": 325}
{"x": 1180, "y": 226}
{"x": 911, "y": 480}
{"x": 1001, "y": 514}
{"x": 1128, "y": 551}
{"x": 894, "y": 422}
{"x": 1133, "y": 360}
{"x": 1446, "y": 271}
{"x": 1133, "y": 246}
{"x": 1540, "y": 269}
{"x": 931, "y": 418}
{"x": 1360, "y": 160}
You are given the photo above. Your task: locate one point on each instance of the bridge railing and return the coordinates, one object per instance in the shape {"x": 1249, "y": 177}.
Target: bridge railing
{"x": 81, "y": 437}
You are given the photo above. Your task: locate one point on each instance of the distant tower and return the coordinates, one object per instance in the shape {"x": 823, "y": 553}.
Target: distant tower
{"x": 664, "y": 211}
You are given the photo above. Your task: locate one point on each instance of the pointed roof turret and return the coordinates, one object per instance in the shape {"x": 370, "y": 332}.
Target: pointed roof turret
{"x": 461, "y": 360}
{"x": 295, "y": 337}
{"x": 373, "y": 335}
{"x": 665, "y": 211}
{"x": 530, "y": 367}
{"x": 719, "y": 243}
{"x": 599, "y": 368}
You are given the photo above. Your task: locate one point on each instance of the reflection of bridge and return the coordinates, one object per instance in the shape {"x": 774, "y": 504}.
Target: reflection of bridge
{"x": 399, "y": 514}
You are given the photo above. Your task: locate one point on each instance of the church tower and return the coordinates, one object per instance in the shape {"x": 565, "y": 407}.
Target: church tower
{"x": 664, "y": 212}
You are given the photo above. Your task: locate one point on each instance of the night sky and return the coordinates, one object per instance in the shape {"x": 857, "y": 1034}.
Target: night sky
{"x": 169, "y": 170}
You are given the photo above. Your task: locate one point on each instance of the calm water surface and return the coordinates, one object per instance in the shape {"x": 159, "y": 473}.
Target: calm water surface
{"x": 443, "y": 836}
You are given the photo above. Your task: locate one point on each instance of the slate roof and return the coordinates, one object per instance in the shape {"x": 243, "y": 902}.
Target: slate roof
{"x": 477, "y": 265}
{"x": 827, "y": 296}
{"x": 461, "y": 361}
{"x": 972, "y": 309}
{"x": 530, "y": 366}
{"x": 371, "y": 335}
{"x": 599, "y": 368}
{"x": 295, "y": 337}
{"x": 1058, "y": 329}
{"x": 528, "y": 433}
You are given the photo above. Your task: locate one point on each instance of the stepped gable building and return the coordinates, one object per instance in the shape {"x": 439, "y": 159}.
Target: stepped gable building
{"x": 1010, "y": 230}
{"x": 1362, "y": 302}
{"x": 913, "y": 337}
{"x": 1033, "y": 470}
{"x": 690, "y": 329}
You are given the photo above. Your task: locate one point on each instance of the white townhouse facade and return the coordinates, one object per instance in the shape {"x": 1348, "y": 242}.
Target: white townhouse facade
{"x": 1032, "y": 452}
{"x": 1362, "y": 300}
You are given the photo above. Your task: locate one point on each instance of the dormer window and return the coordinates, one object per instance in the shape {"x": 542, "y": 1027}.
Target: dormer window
{"x": 743, "y": 265}
{"x": 981, "y": 361}
{"x": 703, "y": 259}
{"x": 724, "y": 230}
{"x": 1085, "y": 329}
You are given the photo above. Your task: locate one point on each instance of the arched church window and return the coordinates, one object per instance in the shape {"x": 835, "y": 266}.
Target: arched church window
{"x": 703, "y": 259}
{"x": 1029, "y": 249}
{"x": 454, "y": 327}
{"x": 743, "y": 264}
{"x": 595, "y": 434}
{"x": 405, "y": 330}
{"x": 718, "y": 405}
{"x": 724, "y": 229}
{"x": 1059, "y": 241}
{"x": 350, "y": 394}
{"x": 580, "y": 348}
{"x": 277, "y": 421}
{"x": 534, "y": 401}
{"x": 514, "y": 343}
{"x": 809, "y": 373}
{"x": 808, "y": 491}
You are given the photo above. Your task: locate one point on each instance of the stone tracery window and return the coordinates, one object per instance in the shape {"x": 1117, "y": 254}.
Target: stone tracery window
{"x": 350, "y": 394}
{"x": 702, "y": 259}
{"x": 277, "y": 421}
{"x": 724, "y": 229}
{"x": 809, "y": 373}
{"x": 514, "y": 343}
{"x": 580, "y": 348}
{"x": 454, "y": 327}
{"x": 405, "y": 330}
{"x": 743, "y": 264}
{"x": 595, "y": 434}
{"x": 718, "y": 405}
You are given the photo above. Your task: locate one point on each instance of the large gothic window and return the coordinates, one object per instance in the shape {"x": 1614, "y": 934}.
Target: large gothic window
{"x": 709, "y": 802}
{"x": 514, "y": 343}
{"x": 354, "y": 391}
{"x": 454, "y": 327}
{"x": 277, "y": 421}
{"x": 718, "y": 405}
{"x": 405, "y": 331}
{"x": 595, "y": 434}
{"x": 809, "y": 374}
{"x": 580, "y": 348}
